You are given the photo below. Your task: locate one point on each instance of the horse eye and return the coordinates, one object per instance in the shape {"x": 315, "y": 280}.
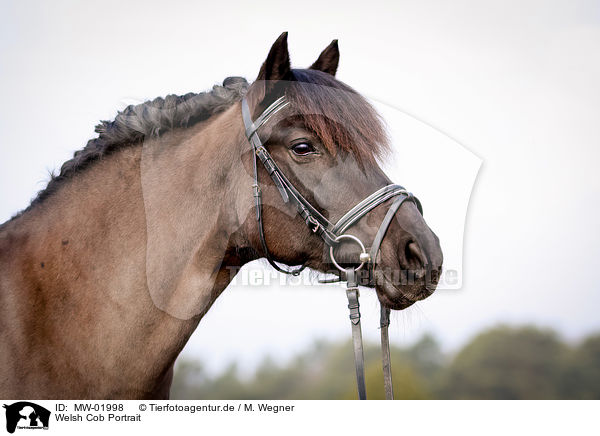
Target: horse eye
{"x": 303, "y": 148}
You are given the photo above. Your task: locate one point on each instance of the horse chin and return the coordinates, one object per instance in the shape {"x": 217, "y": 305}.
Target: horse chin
{"x": 398, "y": 297}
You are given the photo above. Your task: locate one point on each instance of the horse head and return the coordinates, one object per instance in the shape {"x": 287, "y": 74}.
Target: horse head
{"x": 325, "y": 142}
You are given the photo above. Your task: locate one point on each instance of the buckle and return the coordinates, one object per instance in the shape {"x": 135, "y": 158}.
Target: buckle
{"x": 312, "y": 224}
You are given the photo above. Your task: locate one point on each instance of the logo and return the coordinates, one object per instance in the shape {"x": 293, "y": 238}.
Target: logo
{"x": 26, "y": 415}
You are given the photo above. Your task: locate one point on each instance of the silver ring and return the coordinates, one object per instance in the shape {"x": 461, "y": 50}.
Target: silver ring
{"x": 353, "y": 238}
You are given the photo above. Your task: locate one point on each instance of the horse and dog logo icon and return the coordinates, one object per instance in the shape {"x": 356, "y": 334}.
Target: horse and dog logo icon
{"x": 26, "y": 415}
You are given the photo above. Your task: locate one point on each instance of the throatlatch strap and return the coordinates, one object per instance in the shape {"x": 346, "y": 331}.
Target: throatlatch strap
{"x": 359, "y": 358}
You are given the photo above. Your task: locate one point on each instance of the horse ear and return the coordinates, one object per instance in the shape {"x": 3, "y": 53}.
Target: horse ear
{"x": 328, "y": 59}
{"x": 277, "y": 64}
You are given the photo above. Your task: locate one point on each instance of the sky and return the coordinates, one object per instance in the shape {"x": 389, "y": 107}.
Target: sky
{"x": 504, "y": 96}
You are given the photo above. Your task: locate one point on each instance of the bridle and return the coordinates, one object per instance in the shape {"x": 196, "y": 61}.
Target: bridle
{"x": 332, "y": 234}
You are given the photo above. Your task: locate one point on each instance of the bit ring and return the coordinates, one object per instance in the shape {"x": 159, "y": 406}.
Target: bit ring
{"x": 353, "y": 238}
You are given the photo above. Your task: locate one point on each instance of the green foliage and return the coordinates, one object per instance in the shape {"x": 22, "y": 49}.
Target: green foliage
{"x": 326, "y": 371}
{"x": 500, "y": 363}
{"x": 507, "y": 363}
{"x": 582, "y": 375}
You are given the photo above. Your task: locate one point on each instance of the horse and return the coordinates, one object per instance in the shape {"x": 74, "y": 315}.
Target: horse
{"x": 107, "y": 273}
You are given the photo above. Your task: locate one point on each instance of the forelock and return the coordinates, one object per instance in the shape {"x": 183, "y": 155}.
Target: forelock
{"x": 338, "y": 115}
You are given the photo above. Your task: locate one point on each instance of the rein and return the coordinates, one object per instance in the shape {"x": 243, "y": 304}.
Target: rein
{"x": 332, "y": 234}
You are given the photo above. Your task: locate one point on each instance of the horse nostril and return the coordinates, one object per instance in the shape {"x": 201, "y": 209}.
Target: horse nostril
{"x": 412, "y": 250}
{"x": 413, "y": 257}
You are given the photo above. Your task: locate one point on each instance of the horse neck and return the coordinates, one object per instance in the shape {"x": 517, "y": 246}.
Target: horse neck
{"x": 128, "y": 255}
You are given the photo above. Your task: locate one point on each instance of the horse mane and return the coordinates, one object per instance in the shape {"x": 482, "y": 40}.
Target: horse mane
{"x": 148, "y": 119}
{"x": 319, "y": 98}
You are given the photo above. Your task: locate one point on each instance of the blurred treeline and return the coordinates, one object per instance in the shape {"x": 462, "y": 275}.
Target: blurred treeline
{"x": 500, "y": 363}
